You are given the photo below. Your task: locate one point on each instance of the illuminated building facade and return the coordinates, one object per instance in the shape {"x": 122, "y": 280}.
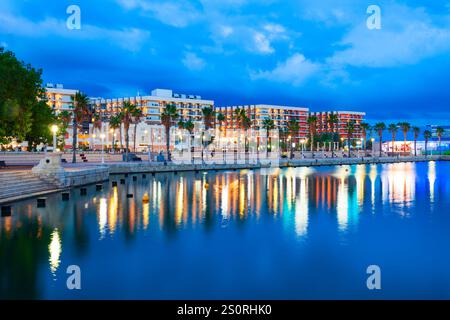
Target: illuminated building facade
{"x": 343, "y": 117}
{"x": 59, "y": 98}
{"x": 281, "y": 115}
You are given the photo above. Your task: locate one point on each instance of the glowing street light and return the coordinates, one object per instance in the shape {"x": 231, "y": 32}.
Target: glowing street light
{"x": 54, "y": 130}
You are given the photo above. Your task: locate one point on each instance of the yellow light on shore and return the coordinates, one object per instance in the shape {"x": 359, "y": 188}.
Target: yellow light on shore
{"x": 54, "y": 128}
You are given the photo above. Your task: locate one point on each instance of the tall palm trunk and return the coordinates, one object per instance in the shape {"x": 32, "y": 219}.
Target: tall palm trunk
{"x": 381, "y": 142}
{"x": 440, "y": 149}
{"x": 415, "y": 147}
{"x": 127, "y": 142}
{"x": 392, "y": 143}
{"x": 348, "y": 143}
{"x": 169, "y": 158}
{"x": 74, "y": 141}
{"x": 268, "y": 144}
{"x": 120, "y": 136}
{"x": 134, "y": 137}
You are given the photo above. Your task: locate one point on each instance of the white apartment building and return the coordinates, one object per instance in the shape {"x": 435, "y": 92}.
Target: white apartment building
{"x": 150, "y": 132}
{"x": 59, "y": 98}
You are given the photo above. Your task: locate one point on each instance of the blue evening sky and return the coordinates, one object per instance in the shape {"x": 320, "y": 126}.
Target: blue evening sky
{"x": 318, "y": 54}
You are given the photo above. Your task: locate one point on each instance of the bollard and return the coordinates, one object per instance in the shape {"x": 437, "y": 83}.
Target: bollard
{"x": 98, "y": 187}
{"x": 83, "y": 191}
{"x": 41, "y": 202}
{"x": 6, "y": 211}
{"x": 65, "y": 196}
{"x": 114, "y": 183}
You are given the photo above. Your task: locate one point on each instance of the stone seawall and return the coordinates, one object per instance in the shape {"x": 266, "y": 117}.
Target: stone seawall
{"x": 353, "y": 161}
{"x": 120, "y": 168}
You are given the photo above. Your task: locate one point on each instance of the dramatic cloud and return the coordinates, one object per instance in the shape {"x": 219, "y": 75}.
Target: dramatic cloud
{"x": 295, "y": 70}
{"x": 407, "y": 36}
{"x": 174, "y": 13}
{"x": 129, "y": 39}
{"x": 315, "y": 53}
{"x": 193, "y": 62}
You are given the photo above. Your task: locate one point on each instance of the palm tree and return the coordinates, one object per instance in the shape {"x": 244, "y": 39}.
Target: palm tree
{"x": 169, "y": 115}
{"x": 81, "y": 112}
{"x": 293, "y": 129}
{"x": 427, "y": 135}
{"x": 64, "y": 118}
{"x": 439, "y": 133}
{"x": 115, "y": 122}
{"x": 189, "y": 126}
{"x": 405, "y": 127}
{"x": 268, "y": 125}
{"x": 137, "y": 116}
{"x": 126, "y": 115}
{"x": 333, "y": 120}
{"x": 209, "y": 116}
{"x": 379, "y": 128}
{"x": 365, "y": 127}
{"x": 393, "y": 128}
{"x": 350, "y": 128}
{"x": 416, "y": 131}
{"x": 244, "y": 123}
{"x": 96, "y": 121}
{"x": 220, "y": 119}
{"x": 312, "y": 123}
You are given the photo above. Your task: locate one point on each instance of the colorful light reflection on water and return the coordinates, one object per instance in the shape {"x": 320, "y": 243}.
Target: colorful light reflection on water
{"x": 271, "y": 233}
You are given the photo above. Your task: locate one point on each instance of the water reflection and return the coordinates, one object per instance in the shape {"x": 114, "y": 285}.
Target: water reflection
{"x": 54, "y": 249}
{"x": 204, "y": 201}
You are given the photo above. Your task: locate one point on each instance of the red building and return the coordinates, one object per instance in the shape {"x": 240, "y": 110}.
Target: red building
{"x": 343, "y": 117}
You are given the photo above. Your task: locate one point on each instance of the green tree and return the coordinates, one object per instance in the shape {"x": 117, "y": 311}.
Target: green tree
{"x": 268, "y": 124}
{"x": 244, "y": 123}
{"x": 20, "y": 92}
{"x": 126, "y": 114}
{"x": 81, "y": 113}
{"x": 43, "y": 118}
{"x": 379, "y": 128}
{"x": 416, "y": 131}
{"x": 405, "y": 127}
{"x": 439, "y": 133}
{"x": 427, "y": 136}
{"x": 350, "y": 128}
{"x": 137, "y": 117}
{"x": 293, "y": 128}
{"x": 365, "y": 128}
{"x": 393, "y": 128}
{"x": 189, "y": 127}
{"x": 63, "y": 120}
{"x": 115, "y": 122}
{"x": 312, "y": 125}
{"x": 169, "y": 114}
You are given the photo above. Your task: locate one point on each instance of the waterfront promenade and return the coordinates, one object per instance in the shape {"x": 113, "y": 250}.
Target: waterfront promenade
{"x": 20, "y": 183}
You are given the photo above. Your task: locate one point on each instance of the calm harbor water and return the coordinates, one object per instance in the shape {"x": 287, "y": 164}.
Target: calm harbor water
{"x": 277, "y": 233}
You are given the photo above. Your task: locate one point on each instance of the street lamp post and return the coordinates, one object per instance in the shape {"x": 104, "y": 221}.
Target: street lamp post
{"x": 54, "y": 130}
{"x": 93, "y": 141}
{"x": 102, "y": 136}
